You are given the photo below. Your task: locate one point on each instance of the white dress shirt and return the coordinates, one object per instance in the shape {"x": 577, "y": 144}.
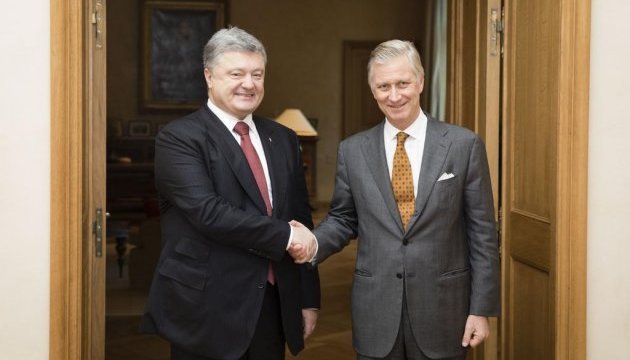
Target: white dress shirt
{"x": 414, "y": 145}
{"x": 230, "y": 121}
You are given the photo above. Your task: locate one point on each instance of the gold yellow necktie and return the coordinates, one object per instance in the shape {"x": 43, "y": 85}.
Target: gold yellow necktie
{"x": 402, "y": 180}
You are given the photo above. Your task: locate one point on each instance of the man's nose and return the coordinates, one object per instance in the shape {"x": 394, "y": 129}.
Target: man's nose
{"x": 248, "y": 81}
{"x": 393, "y": 94}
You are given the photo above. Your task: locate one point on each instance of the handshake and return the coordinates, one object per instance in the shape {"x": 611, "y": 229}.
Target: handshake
{"x": 304, "y": 245}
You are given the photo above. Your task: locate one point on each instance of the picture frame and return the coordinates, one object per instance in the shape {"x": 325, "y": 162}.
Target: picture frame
{"x": 139, "y": 128}
{"x": 173, "y": 36}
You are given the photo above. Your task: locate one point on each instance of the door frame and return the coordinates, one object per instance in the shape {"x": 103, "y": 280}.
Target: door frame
{"x": 571, "y": 182}
{"x": 69, "y": 332}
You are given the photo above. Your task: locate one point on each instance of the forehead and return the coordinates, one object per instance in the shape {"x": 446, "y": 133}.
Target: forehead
{"x": 241, "y": 60}
{"x": 396, "y": 69}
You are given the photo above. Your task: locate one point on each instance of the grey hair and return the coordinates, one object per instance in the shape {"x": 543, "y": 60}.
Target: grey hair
{"x": 231, "y": 39}
{"x": 392, "y": 49}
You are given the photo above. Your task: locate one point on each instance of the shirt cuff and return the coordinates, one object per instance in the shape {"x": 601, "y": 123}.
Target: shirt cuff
{"x": 314, "y": 258}
{"x": 290, "y": 237}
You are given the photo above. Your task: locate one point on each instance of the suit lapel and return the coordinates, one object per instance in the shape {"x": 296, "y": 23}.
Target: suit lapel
{"x": 236, "y": 160}
{"x": 275, "y": 162}
{"x": 436, "y": 147}
{"x": 373, "y": 149}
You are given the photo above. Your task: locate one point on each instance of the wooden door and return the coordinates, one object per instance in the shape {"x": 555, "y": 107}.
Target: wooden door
{"x": 473, "y": 88}
{"x": 545, "y": 122}
{"x": 94, "y": 223}
{"x": 77, "y": 327}
{"x": 530, "y": 114}
{"x": 539, "y": 90}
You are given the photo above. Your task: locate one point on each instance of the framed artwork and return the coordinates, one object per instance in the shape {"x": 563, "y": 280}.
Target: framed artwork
{"x": 173, "y": 36}
{"x": 139, "y": 128}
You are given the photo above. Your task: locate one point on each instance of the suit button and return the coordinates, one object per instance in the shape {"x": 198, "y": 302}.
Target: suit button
{"x": 261, "y": 286}
{"x": 405, "y": 242}
{"x": 399, "y": 275}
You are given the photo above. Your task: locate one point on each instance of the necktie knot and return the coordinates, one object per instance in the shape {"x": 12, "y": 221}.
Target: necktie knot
{"x": 401, "y": 137}
{"x": 241, "y": 128}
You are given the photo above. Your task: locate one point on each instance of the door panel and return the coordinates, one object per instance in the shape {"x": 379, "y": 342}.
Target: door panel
{"x": 530, "y": 117}
{"x": 531, "y": 312}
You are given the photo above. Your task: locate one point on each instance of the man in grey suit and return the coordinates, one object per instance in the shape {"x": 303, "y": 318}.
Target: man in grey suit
{"x": 416, "y": 193}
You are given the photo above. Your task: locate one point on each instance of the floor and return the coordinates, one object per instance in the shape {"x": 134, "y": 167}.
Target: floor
{"x": 332, "y": 338}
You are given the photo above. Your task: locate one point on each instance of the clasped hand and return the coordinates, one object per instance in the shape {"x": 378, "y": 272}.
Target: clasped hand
{"x": 303, "y": 245}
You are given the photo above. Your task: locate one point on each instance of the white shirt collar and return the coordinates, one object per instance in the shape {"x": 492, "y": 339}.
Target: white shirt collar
{"x": 414, "y": 130}
{"x": 230, "y": 120}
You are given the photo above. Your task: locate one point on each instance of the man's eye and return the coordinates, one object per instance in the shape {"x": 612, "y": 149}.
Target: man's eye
{"x": 235, "y": 74}
{"x": 257, "y": 76}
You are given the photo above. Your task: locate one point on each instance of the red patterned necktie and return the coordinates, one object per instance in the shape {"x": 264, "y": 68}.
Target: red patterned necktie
{"x": 255, "y": 165}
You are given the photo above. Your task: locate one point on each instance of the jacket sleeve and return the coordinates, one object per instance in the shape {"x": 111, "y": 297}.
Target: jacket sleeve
{"x": 341, "y": 223}
{"x": 482, "y": 235}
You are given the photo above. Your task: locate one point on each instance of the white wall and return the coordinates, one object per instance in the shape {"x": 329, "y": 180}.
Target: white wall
{"x": 608, "y": 306}
{"x": 24, "y": 179}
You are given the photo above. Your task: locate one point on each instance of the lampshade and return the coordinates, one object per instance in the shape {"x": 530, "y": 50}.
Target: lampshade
{"x": 296, "y": 121}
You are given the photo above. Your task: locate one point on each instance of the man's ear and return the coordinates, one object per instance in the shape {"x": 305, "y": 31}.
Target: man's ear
{"x": 208, "y": 75}
{"x": 421, "y": 84}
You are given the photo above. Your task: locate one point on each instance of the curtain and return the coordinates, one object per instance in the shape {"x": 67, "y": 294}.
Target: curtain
{"x": 438, "y": 74}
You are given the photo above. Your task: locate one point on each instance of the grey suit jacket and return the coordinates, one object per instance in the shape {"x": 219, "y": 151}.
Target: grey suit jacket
{"x": 448, "y": 256}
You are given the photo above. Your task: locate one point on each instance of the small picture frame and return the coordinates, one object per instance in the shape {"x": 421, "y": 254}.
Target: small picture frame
{"x": 139, "y": 128}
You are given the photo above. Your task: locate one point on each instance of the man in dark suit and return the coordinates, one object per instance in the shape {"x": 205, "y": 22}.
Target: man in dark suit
{"x": 229, "y": 182}
{"x": 416, "y": 192}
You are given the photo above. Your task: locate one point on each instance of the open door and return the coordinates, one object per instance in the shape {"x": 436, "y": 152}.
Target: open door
{"x": 94, "y": 183}
{"x": 529, "y": 69}
{"x": 473, "y": 101}
{"x": 545, "y": 121}
{"x": 77, "y": 327}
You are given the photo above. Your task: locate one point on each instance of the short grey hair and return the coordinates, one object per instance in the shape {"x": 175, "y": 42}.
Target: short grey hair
{"x": 392, "y": 49}
{"x": 231, "y": 39}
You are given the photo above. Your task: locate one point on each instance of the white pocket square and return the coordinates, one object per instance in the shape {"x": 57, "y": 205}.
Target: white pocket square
{"x": 446, "y": 176}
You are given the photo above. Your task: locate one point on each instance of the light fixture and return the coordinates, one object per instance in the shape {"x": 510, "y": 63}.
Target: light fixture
{"x": 295, "y": 120}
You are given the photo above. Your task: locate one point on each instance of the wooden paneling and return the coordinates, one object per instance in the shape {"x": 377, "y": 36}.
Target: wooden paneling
{"x": 530, "y": 240}
{"x": 534, "y": 54}
{"x": 529, "y": 310}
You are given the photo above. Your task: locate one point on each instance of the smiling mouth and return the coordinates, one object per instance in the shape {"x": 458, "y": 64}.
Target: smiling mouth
{"x": 396, "y": 107}
{"x": 247, "y": 96}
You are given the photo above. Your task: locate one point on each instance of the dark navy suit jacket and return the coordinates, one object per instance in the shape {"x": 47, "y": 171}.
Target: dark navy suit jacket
{"x": 217, "y": 241}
